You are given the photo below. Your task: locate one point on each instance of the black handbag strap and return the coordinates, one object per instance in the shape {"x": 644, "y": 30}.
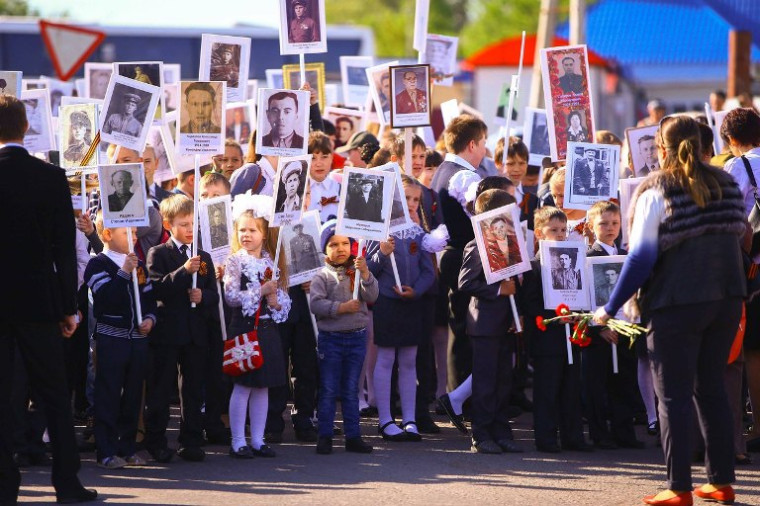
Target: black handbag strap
{"x": 750, "y": 175}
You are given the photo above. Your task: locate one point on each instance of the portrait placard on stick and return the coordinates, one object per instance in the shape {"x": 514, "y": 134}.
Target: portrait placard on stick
{"x": 643, "y": 150}
{"x": 366, "y": 197}
{"x": 130, "y": 107}
{"x": 563, "y": 274}
{"x": 57, "y": 90}
{"x": 283, "y": 122}
{"x": 354, "y": 79}
{"x": 379, "y": 78}
{"x": 148, "y": 72}
{"x": 400, "y": 219}
{"x": 347, "y": 122}
{"x": 627, "y": 191}
{"x": 501, "y": 244}
{"x": 410, "y": 103}
{"x": 202, "y": 107}
{"x": 315, "y": 76}
{"x": 569, "y": 106}
{"x": 172, "y": 73}
{"x": 10, "y": 83}
{"x": 40, "y": 136}
{"x": 421, "y": 15}
{"x": 289, "y": 188}
{"x": 216, "y": 227}
{"x": 536, "y": 135}
{"x": 239, "y": 119}
{"x": 592, "y": 174}
{"x": 440, "y": 52}
{"x": 96, "y": 78}
{"x": 225, "y": 58}
{"x": 161, "y": 155}
{"x": 123, "y": 196}
{"x": 603, "y": 273}
{"x": 77, "y": 126}
{"x": 300, "y": 242}
{"x": 303, "y": 28}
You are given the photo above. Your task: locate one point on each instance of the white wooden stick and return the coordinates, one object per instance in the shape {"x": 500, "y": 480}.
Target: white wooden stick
{"x": 515, "y": 314}
{"x": 408, "y": 151}
{"x": 357, "y": 276}
{"x": 135, "y": 283}
{"x": 512, "y": 92}
{"x": 313, "y": 318}
{"x": 395, "y": 271}
{"x": 302, "y": 61}
{"x": 711, "y": 124}
{"x": 194, "y": 252}
{"x": 84, "y": 193}
{"x": 520, "y": 68}
{"x": 614, "y": 358}
{"x": 221, "y": 310}
{"x": 569, "y": 344}
{"x": 277, "y": 256}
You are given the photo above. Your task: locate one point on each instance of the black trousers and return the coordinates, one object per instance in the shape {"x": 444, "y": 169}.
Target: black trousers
{"x": 491, "y": 386}
{"x": 610, "y": 396}
{"x": 556, "y": 400}
{"x": 460, "y": 351}
{"x": 216, "y": 391}
{"x": 299, "y": 347}
{"x": 28, "y": 414}
{"x": 425, "y": 359}
{"x": 164, "y": 361}
{"x": 688, "y": 350}
{"x": 41, "y": 347}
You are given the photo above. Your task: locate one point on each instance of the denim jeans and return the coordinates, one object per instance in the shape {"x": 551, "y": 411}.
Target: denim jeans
{"x": 341, "y": 355}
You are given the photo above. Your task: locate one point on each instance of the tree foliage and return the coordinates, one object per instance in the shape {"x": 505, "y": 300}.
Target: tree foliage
{"x": 16, "y": 8}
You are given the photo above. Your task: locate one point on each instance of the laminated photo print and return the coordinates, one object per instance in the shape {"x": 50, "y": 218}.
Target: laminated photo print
{"x": 354, "y": 79}
{"x": 129, "y": 109}
{"x": 536, "y": 135}
{"x": 569, "y": 105}
{"x": 58, "y": 89}
{"x": 501, "y": 243}
{"x": 239, "y": 119}
{"x": 440, "y": 53}
{"x": 303, "y": 29}
{"x": 215, "y": 215}
{"x": 627, "y": 191}
{"x": 289, "y": 189}
{"x": 603, "y": 273}
{"x": 201, "y": 113}
{"x": 592, "y": 174}
{"x": 364, "y": 209}
{"x": 40, "y": 136}
{"x": 379, "y": 78}
{"x": 10, "y": 83}
{"x": 315, "y": 76}
{"x": 163, "y": 162}
{"x": 641, "y": 145}
{"x": 400, "y": 219}
{"x": 283, "y": 122}
{"x": 172, "y": 73}
{"x": 82, "y": 181}
{"x": 563, "y": 274}
{"x": 123, "y": 195}
{"x": 410, "y": 103}
{"x": 78, "y": 125}
{"x": 96, "y": 78}
{"x": 347, "y": 122}
{"x": 300, "y": 241}
{"x": 226, "y": 59}
{"x": 148, "y": 72}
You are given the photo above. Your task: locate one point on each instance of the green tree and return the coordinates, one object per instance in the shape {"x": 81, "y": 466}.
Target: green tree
{"x": 16, "y": 8}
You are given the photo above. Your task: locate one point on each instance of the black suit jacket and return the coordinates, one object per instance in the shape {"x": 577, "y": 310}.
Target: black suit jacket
{"x": 488, "y": 314}
{"x": 297, "y": 142}
{"x": 40, "y": 282}
{"x": 180, "y": 324}
{"x": 597, "y": 251}
{"x": 456, "y": 220}
{"x": 369, "y": 210}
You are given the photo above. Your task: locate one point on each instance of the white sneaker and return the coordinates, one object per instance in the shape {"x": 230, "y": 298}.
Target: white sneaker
{"x": 112, "y": 462}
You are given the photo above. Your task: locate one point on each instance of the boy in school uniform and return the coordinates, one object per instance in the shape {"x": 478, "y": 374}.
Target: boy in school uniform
{"x": 122, "y": 344}
{"x": 184, "y": 336}
{"x": 489, "y": 319}
{"x": 605, "y": 392}
{"x": 556, "y": 384}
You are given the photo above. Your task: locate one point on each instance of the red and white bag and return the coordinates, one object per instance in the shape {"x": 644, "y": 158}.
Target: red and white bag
{"x": 242, "y": 353}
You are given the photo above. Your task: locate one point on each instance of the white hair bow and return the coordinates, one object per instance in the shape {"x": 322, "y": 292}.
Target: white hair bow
{"x": 261, "y": 205}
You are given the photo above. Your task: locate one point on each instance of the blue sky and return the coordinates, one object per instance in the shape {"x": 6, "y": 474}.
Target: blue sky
{"x": 179, "y": 13}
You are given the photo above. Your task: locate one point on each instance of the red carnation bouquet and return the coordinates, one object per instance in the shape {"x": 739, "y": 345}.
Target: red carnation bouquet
{"x": 580, "y": 336}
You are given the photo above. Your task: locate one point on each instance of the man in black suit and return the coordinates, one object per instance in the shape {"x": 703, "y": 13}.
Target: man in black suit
{"x": 38, "y": 303}
{"x": 121, "y": 180}
{"x": 367, "y": 204}
{"x": 282, "y": 114}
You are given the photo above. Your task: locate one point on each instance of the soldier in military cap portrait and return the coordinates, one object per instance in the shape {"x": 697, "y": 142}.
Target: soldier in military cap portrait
{"x": 292, "y": 175}
{"x": 304, "y": 254}
{"x": 80, "y": 136}
{"x": 302, "y": 27}
{"x": 125, "y": 122}
{"x": 225, "y": 64}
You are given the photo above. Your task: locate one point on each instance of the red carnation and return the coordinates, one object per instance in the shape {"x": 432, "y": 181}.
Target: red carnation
{"x": 540, "y": 323}
{"x": 562, "y": 310}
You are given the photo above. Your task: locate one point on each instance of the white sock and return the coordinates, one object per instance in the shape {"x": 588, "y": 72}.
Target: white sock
{"x": 238, "y": 411}
{"x": 407, "y": 383}
{"x": 460, "y": 394}
{"x": 257, "y": 411}
{"x": 382, "y": 380}
{"x": 646, "y": 387}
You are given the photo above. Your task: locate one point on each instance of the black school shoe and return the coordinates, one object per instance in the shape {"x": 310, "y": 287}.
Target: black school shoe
{"x": 162, "y": 455}
{"x": 324, "y": 446}
{"x": 426, "y": 425}
{"x": 81, "y": 495}
{"x": 264, "y": 451}
{"x": 487, "y": 446}
{"x": 191, "y": 453}
{"x": 458, "y": 420}
{"x": 357, "y": 445}
{"x": 244, "y": 452}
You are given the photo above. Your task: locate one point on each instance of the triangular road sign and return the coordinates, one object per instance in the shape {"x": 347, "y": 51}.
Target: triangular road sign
{"x": 69, "y": 46}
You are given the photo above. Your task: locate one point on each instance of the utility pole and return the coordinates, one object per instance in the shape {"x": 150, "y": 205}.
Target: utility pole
{"x": 577, "y": 22}
{"x": 739, "y": 77}
{"x": 547, "y": 20}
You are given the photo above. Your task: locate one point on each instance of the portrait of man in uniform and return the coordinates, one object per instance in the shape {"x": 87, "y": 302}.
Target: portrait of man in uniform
{"x": 564, "y": 275}
{"x": 225, "y": 63}
{"x": 302, "y": 27}
{"x": 218, "y": 226}
{"x": 590, "y": 175}
{"x": 411, "y": 99}
{"x": 570, "y": 81}
{"x": 605, "y": 279}
{"x": 121, "y": 182}
{"x": 125, "y": 122}
{"x": 79, "y": 138}
{"x": 304, "y": 254}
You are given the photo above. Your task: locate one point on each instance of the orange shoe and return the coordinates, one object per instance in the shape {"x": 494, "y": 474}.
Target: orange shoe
{"x": 723, "y": 495}
{"x": 682, "y": 499}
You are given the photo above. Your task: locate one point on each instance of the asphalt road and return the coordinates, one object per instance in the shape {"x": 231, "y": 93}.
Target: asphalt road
{"x": 440, "y": 470}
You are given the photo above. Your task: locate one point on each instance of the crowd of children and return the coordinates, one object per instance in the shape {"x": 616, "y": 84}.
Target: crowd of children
{"x": 438, "y": 331}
